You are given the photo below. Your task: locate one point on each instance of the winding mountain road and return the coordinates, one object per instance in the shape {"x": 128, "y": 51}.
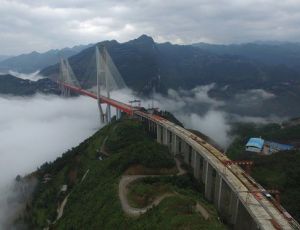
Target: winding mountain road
{"x": 135, "y": 212}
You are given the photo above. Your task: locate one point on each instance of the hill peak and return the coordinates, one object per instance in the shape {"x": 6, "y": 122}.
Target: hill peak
{"x": 143, "y": 39}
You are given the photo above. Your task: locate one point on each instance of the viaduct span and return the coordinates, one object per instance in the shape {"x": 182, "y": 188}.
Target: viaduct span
{"x": 238, "y": 198}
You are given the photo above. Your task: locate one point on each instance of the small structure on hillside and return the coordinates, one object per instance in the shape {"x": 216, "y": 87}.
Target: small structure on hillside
{"x": 64, "y": 188}
{"x": 274, "y": 147}
{"x": 255, "y": 145}
{"x": 259, "y": 145}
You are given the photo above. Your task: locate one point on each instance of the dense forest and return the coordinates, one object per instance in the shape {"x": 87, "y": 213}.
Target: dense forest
{"x": 92, "y": 185}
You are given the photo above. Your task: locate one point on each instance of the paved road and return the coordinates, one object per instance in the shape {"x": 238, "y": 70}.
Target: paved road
{"x": 123, "y": 192}
{"x": 135, "y": 212}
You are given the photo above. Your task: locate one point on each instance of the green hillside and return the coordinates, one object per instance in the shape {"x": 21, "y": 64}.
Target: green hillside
{"x": 93, "y": 201}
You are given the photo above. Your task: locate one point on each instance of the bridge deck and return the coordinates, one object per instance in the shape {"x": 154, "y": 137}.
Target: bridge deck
{"x": 120, "y": 105}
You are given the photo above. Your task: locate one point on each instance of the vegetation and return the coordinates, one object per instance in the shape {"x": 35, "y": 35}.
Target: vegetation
{"x": 20, "y": 87}
{"x": 93, "y": 202}
{"x": 142, "y": 194}
{"x": 279, "y": 171}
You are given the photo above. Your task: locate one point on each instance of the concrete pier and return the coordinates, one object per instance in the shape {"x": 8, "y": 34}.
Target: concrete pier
{"x": 175, "y": 144}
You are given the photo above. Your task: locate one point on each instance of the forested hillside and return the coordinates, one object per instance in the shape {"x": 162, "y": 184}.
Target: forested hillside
{"x": 19, "y": 87}
{"x": 92, "y": 172}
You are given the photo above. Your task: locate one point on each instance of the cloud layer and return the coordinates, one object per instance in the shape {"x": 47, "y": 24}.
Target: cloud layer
{"x": 32, "y": 77}
{"x": 39, "y": 129}
{"x": 195, "y": 109}
{"x": 65, "y": 23}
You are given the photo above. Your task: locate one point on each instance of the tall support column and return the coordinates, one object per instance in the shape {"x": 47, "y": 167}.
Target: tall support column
{"x": 65, "y": 92}
{"x": 175, "y": 145}
{"x": 218, "y": 191}
{"x": 201, "y": 166}
{"x": 196, "y": 165}
{"x": 159, "y": 133}
{"x": 204, "y": 171}
{"x": 155, "y": 130}
{"x": 228, "y": 203}
{"x": 165, "y": 136}
{"x": 108, "y": 113}
{"x": 191, "y": 157}
{"x": 185, "y": 151}
{"x": 244, "y": 219}
{"x": 101, "y": 113}
{"x": 209, "y": 182}
{"x": 118, "y": 114}
{"x": 233, "y": 207}
{"x": 170, "y": 140}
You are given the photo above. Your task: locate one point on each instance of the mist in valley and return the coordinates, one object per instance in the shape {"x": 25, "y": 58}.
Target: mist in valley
{"x": 37, "y": 129}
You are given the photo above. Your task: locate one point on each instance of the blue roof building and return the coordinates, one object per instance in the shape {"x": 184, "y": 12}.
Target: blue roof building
{"x": 275, "y": 147}
{"x": 255, "y": 145}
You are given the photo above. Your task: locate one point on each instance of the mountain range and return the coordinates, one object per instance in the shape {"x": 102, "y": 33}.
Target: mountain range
{"x": 186, "y": 66}
{"x": 262, "y": 82}
{"x": 34, "y": 61}
{"x": 268, "y": 53}
{"x": 3, "y": 57}
{"x": 255, "y": 79}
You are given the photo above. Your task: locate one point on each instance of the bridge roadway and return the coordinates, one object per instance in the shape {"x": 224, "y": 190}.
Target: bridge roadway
{"x": 243, "y": 206}
{"x": 117, "y": 104}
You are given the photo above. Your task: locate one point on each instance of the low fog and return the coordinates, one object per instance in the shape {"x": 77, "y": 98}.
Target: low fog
{"x": 38, "y": 129}
{"x": 32, "y": 76}
{"x": 195, "y": 109}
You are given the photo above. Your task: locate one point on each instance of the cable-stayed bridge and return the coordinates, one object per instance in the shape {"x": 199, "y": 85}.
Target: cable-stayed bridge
{"x": 240, "y": 200}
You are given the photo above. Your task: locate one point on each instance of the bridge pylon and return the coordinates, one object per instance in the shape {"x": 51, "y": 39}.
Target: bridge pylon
{"x": 63, "y": 72}
{"x": 108, "y": 79}
{"x": 66, "y": 76}
{"x": 102, "y": 81}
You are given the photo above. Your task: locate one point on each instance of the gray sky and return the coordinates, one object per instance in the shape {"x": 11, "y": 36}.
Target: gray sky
{"x": 40, "y": 25}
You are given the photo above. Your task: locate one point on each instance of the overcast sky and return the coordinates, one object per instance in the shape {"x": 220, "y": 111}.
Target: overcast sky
{"x": 40, "y": 25}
